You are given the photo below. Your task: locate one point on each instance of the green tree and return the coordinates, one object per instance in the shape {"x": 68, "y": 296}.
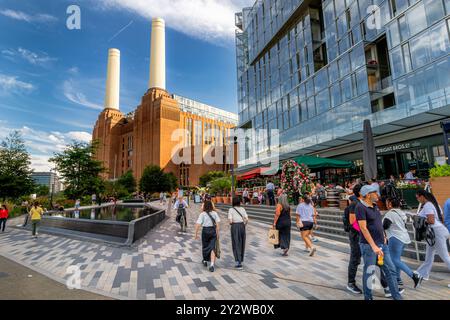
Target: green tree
{"x": 154, "y": 180}
{"x": 208, "y": 177}
{"x": 115, "y": 189}
{"x": 173, "y": 181}
{"x": 80, "y": 170}
{"x": 128, "y": 181}
{"x": 15, "y": 171}
{"x": 221, "y": 185}
{"x": 42, "y": 191}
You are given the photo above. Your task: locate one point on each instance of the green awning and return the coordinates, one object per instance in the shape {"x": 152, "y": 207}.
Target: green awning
{"x": 322, "y": 163}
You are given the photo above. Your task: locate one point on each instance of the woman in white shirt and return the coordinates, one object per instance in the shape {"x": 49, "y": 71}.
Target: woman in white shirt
{"x": 394, "y": 224}
{"x": 306, "y": 218}
{"x": 238, "y": 218}
{"x": 209, "y": 222}
{"x": 433, "y": 213}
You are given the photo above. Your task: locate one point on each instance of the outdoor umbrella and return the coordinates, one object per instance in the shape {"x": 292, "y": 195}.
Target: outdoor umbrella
{"x": 369, "y": 152}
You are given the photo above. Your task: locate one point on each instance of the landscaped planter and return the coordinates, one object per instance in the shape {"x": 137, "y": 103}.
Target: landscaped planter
{"x": 226, "y": 200}
{"x": 440, "y": 186}
{"x": 213, "y": 200}
{"x": 409, "y": 195}
{"x": 219, "y": 199}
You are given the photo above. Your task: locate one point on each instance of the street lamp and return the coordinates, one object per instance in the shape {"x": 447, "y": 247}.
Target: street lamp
{"x": 53, "y": 187}
{"x": 232, "y": 165}
{"x": 445, "y": 125}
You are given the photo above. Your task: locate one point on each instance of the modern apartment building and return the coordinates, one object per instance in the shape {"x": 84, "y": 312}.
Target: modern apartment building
{"x": 316, "y": 69}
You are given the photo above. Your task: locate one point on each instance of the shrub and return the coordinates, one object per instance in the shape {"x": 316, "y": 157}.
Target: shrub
{"x": 440, "y": 171}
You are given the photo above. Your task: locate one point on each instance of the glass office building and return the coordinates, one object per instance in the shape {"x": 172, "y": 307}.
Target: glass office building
{"x": 316, "y": 69}
{"x": 48, "y": 179}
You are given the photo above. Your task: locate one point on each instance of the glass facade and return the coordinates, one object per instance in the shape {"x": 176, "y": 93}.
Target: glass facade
{"x": 315, "y": 70}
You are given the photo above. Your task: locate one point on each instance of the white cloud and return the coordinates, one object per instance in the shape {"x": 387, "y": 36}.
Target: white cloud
{"x": 22, "y": 16}
{"x": 12, "y": 84}
{"x": 40, "y": 59}
{"x": 73, "y": 71}
{"x": 74, "y": 95}
{"x": 42, "y": 144}
{"x": 210, "y": 20}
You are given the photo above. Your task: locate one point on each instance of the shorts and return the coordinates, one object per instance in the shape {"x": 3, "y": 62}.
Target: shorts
{"x": 307, "y": 225}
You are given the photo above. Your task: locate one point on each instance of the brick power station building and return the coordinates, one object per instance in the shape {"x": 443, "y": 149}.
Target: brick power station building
{"x": 150, "y": 135}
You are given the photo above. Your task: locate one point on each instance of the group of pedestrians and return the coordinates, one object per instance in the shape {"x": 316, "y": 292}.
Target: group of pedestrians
{"x": 380, "y": 241}
{"x": 209, "y": 222}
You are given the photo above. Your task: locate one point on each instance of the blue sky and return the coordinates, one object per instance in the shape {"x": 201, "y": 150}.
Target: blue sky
{"x": 52, "y": 79}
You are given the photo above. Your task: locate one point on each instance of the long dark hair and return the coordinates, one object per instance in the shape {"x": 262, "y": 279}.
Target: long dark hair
{"x": 430, "y": 197}
{"x": 208, "y": 206}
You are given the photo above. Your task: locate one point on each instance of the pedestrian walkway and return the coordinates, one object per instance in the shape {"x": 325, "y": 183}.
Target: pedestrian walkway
{"x": 166, "y": 264}
{"x": 20, "y": 283}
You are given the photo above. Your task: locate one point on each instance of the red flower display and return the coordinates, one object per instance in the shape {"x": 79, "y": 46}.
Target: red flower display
{"x": 294, "y": 177}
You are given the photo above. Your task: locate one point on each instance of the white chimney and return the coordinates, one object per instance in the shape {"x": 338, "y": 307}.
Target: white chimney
{"x": 112, "y": 96}
{"x": 158, "y": 55}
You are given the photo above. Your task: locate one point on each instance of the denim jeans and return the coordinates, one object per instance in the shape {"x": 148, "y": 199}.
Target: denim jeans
{"x": 396, "y": 249}
{"x": 388, "y": 268}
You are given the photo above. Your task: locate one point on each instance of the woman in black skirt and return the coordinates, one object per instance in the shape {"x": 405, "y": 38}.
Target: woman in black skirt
{"x": 282, "y": 223}
{"x": 238, "y": 219}
{"x": 209, "y": 220}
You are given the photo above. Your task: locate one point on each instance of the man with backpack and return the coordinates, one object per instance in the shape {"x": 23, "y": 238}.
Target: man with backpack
{"x": 351, "y": 226}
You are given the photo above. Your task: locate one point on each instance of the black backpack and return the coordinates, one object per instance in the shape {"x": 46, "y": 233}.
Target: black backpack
{"x": 346, "y": 219}
{"x": 346, "y": 216}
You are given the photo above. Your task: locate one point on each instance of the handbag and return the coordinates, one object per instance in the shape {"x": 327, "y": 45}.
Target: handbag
{"x": 274, "y": 237}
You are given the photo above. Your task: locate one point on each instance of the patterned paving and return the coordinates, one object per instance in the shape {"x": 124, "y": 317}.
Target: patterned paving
{"x": 166, "y": 264}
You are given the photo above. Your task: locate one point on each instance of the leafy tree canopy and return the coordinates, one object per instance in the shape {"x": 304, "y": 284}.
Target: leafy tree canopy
{"x": 154, "y": 180}
{"x": 208, "y": 177}
{"x": 80, "y": 170}
{"x": 128, "y": 182}
{"x": 15, "y": 171}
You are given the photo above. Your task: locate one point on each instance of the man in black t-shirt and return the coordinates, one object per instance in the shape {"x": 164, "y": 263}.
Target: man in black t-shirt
{"x": 353, "y": 236}
{"x": 373, "y": 243}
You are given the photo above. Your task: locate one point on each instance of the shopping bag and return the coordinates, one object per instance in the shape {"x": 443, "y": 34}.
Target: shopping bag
{"x": 274, "y": 237}
{"x": 217, "y": 249}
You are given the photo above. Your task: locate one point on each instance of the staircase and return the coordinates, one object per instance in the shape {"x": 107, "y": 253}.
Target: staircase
{"x": 330, "y": 225}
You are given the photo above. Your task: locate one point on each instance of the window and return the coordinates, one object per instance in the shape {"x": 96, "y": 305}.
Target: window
{"x": 344, "y": 65}
{"x": 358, "y": 57}
{"x": 447, "y": 6}
{"x": 362, "y": 82}
{"x": 346, "y": 85}
{"x": 336, "y": 95}
{"x": 439, "y": 40}
{"x": 333, "y": 72}
{"x": 403, "y": 28}
{"x": 303, "y": 111}
{"x": 434, "y": 10}
{"x": 398, "y": 6}
{"x": 294, "y": 116}
{"x": 417, "y": 20}
{"x": 394, "y": 35}
{"x": 311, "y": 108}
{"x": 398, "y": 68}
{"x": 321, "y": 80}
{"x": 407, "y": 57}
{"x": 420, "y": 50}
{"x": 323, "y": 101}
